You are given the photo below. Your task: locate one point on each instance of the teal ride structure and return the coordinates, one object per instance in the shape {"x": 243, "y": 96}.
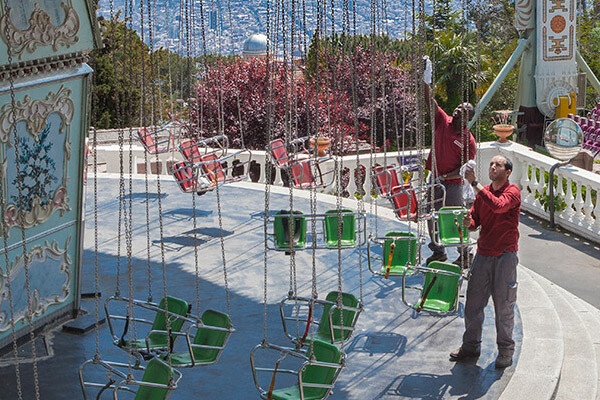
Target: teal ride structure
{"x": 44, "y": 107}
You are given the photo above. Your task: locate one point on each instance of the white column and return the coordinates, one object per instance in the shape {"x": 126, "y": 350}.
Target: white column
{"x": 588, "y": 206}
{"x": 578, "y": 203}
{"x": 569, "y": 199}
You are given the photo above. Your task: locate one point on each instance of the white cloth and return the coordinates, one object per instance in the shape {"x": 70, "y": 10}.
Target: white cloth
{"x": 428, "y": 70}
{"x": 467, "y": 189}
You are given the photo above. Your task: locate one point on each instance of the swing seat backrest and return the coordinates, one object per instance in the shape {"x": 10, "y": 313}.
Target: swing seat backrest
{"x": 324, "y": 332}
{"x": 148, "y": 141}
{"x": 175, "y": 306}
{"x": 302, "y": 174}
{"x": 444, "y": 293}
{"x": 184, "y": 175}
{"x": 401, "y": 257}
{"x": 314, "y": 374}
{"x": 323, "y": 352}
{"x": 386, "y": 179}
{"x": 279, "y": 152}
{"x": 282, "y": 229}
{"x": 448, "y": 217}
{"x": 348, "y": 228}
{"x": 189, "y": 150}
{"x": 155, "y": 372}
{"x": 209, "y": 337}
{"x": 404, "y": 201}
{"x": 212, "y": 167}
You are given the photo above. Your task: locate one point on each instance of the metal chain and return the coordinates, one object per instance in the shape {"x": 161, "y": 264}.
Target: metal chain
{"x": 96, "y": 277}
{"x": 268, "y": 173}
{"x": 20, "y": 215}
{"x": 7, "y": 279}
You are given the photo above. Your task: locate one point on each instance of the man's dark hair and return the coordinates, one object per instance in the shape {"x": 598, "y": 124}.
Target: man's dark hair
{"x": 508, "y": 165}
{"x": 469, "y": 108}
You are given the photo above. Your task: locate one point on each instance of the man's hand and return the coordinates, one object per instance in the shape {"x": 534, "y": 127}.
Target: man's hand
{"x": 428, "y": 70}
{"x": 470, "y": 174}
{"x": 467, "y": 219}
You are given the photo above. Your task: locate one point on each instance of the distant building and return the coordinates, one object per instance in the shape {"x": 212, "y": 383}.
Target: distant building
{"x": 255, "y": 46}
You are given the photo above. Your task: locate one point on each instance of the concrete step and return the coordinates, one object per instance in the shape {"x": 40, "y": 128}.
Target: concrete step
{"x": 538, "y": 369}
{"x": 590, "y": 316}
{"x": 579, "y": 361}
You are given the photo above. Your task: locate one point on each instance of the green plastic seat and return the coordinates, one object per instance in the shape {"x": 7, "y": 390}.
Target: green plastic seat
{"x": 160, "y": 340}
{"x": 348, "y": 228}
{"x": 282, "y": 230}
{"x": 401, "y": 256}
{"x": 443, "y": 295}
{"x": 324, "y": 331}
{"x": 449, "y": 234}
{"x": 205, "y": 337}
{"x": 155, "y": 372}
{"x": 312, "y": 374}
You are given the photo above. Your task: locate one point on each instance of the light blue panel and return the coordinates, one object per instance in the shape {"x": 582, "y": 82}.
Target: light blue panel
{"x": 42, "y": 163}
{"x": 51, "y": 280}
{"x": 51, "y": 129}
{"x": 50, "y": 159}
{"x": 66, "y": 27}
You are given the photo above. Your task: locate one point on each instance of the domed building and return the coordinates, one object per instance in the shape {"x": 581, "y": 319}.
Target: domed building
{"x": 255, "y": 46}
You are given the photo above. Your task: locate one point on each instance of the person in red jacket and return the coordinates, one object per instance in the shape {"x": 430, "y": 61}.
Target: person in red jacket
{"x": 494, "y": 270}
{"x": 453, "y": 146}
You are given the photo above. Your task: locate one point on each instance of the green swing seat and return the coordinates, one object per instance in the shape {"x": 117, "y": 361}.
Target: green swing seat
{"x": 330, "y": 328}
{"x": 158, "y": 373}
{"x": 282, "y": 230}
{"x": 448, "y": 218}
{"x": 313, "y": 374}
{"x": 348, "y": 228}
{"x": 331, "y": 321}
{"x": 157, "y": 338}
{"x": 157, "y": 383}
{"x": 209, "y": 341}
{"x": 443, "y": 295}
{"x": 401, "y": 257}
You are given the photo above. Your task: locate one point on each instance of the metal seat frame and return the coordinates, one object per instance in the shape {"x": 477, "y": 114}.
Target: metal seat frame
{"x": 125, "y": 379}
{"x": 418, "y": 307}
{"x": 379, "y": 241}
{"x": 303, "y": 167}
{"x": 204, "y": 160}
{"x": 319, "y": 241}
{"x": 306, "y": 362}
{"x": 302, "y": 307}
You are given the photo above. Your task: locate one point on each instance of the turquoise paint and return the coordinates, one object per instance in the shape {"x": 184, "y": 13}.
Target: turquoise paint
{"x": 83, "y": 39}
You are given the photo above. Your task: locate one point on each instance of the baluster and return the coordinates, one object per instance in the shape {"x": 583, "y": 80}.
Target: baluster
{"x": 533, "y": 182}
{"x": 559, "y": 192}
{"x": 596, "y": 225}
{"x": 524, "y": 180}
{"x": 588, "y": 206}
{"x": 541, "y": 187}
{"x": 578, "y": 202}
{"x": 569, "y": 199}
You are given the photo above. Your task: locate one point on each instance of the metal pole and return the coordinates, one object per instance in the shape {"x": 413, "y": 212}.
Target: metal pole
{"x": 510, "y": 63}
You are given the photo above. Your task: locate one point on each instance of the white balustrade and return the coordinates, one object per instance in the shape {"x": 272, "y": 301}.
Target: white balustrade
{"x": 581, "y": 215}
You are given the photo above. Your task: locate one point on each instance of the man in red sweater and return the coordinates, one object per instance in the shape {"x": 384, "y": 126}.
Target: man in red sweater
{"x": 494, "y": 271}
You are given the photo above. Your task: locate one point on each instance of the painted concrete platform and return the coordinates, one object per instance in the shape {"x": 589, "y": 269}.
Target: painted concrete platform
{"x": 394, "y": 353}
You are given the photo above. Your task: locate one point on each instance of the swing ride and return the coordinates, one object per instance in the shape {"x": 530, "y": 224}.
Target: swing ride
{"x": 155, "y": 342}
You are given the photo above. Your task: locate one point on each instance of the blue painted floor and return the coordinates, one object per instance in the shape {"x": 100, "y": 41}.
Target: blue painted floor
{"x": 394, "y": 353}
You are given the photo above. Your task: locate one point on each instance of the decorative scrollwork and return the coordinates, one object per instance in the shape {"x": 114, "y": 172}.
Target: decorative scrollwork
{"x": 41, "y": 32}
{"x": 39, "y": 304}
{"x": 38, "y": 213}
{"x": 35, "y": 113}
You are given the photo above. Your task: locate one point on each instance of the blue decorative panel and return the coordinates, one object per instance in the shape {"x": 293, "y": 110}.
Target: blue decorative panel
{"x": 43, "y": 143}
{"x": 46, "y": 28}
{"x": 50, "y": 282}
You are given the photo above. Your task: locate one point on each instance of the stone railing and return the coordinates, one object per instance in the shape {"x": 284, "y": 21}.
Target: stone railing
{"x": 580, "y": 189}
